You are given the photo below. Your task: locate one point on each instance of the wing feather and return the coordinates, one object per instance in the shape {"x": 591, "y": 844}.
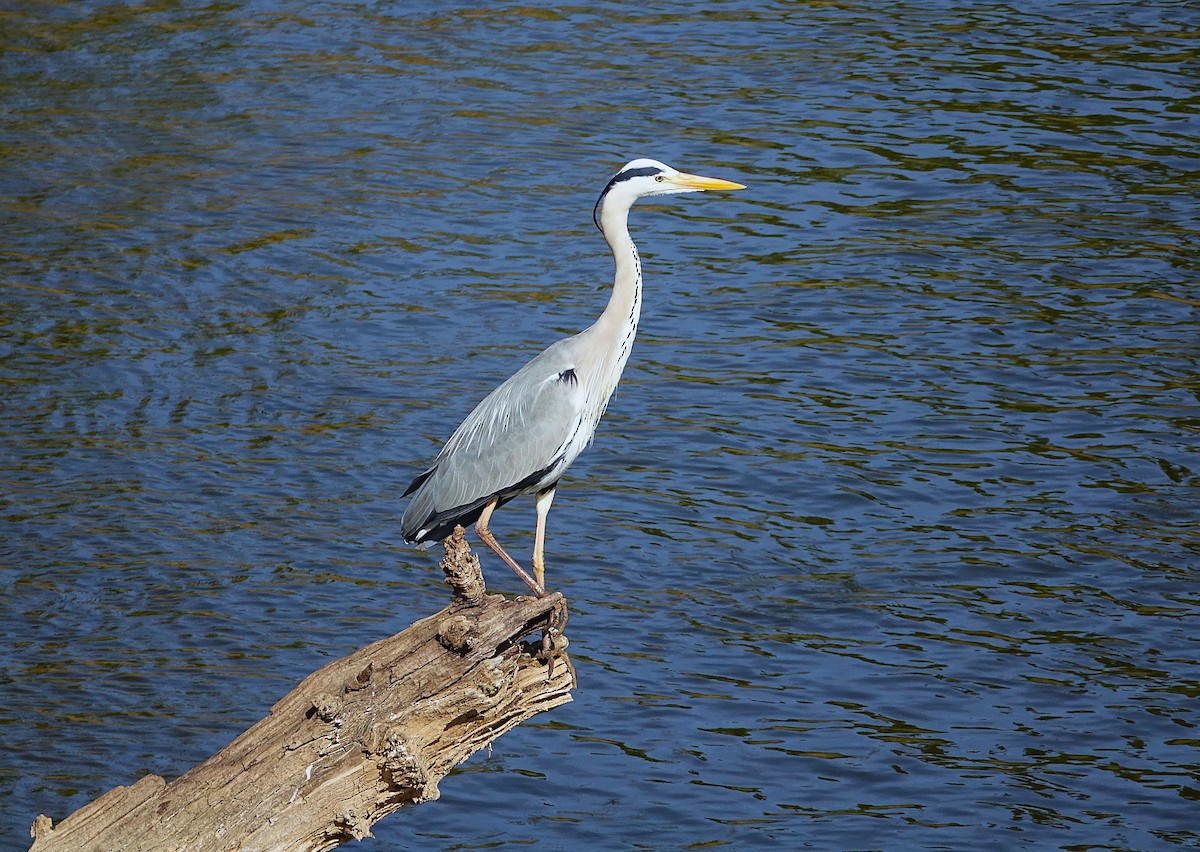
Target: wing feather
{"x": 516, "y": 439}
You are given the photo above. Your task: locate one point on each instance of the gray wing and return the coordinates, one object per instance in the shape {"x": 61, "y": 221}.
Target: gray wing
{"x": 519, "y": 439}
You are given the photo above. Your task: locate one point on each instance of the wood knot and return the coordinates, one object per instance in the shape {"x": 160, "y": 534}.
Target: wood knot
{"x": 454, "y": 633}
{"x": 492, "y": 678}
{"x": 350, "y": 822}
{"x": 360, "y": 680}
{"x": 390, "y": 747}
{"x": 325, "y": 707}
{"x": 42, "y": 826}
{"x": 400, "y": 766}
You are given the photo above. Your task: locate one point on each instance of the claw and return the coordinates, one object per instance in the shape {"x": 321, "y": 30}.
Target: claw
{"x": 554, "y": 643}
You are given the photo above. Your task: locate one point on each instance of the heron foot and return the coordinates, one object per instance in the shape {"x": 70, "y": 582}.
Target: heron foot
{"x": 554, "y": 642}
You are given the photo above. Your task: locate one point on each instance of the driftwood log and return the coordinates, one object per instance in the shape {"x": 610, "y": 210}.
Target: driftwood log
{"x": 356, "y": 740}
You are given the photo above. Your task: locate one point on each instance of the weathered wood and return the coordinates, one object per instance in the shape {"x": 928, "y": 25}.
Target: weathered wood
{"x": 356, "y": 740}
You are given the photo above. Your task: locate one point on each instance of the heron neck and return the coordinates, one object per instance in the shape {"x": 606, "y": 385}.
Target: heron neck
{"x": 625, "y": 303}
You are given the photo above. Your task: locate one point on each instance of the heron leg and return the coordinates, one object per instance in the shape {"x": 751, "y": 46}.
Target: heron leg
{"x": 485, "y": 535}
{"x": 544, "y": 499}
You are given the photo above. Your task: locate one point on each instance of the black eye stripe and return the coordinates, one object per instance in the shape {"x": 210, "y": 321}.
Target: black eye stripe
{"x": 643, "y": 171}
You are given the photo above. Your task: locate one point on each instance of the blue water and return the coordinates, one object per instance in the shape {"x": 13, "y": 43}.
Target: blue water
{"x": 888, "y": 538}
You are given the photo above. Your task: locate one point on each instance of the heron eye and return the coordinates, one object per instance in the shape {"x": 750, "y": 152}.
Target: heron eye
{"x": 659, "y": 178}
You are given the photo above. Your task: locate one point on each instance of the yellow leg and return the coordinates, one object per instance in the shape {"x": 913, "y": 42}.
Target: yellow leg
{"x": 544, "y": 499}
{"x": 553, "y": 642}
{"x": 485, "y": 535}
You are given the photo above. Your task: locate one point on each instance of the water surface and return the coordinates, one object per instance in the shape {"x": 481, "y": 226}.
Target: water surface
{"x": 888, "y": 539}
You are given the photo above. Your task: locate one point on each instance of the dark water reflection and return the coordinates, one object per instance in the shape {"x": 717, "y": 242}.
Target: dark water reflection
{"x": 888, "y": 540}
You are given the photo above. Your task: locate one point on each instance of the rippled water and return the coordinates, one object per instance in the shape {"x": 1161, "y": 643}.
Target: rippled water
{"x": 888, "y": 539}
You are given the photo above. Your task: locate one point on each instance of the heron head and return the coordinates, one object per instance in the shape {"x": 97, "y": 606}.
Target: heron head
{"x": 642, "y": 178}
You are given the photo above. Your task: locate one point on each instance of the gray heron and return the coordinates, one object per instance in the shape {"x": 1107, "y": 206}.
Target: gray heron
{"x": 524, "y": 435}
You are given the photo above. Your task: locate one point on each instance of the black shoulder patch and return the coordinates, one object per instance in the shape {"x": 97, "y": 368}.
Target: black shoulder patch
{"x": 568, "y": 376}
